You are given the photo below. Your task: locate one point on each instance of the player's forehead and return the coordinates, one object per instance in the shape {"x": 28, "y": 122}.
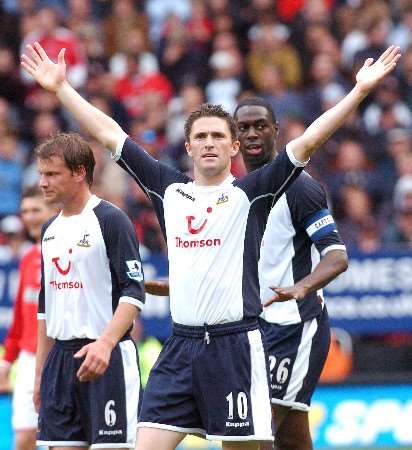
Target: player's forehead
{"x": 252, "y": 113}
{"x": 210, "y": 125}
{"x": 55, "y": 162}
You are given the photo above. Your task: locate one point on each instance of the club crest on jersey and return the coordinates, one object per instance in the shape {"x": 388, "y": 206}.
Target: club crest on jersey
{"x": 84, "y": 241}
{"x": 135, "y": 270}
{"x": 222, "y": 199}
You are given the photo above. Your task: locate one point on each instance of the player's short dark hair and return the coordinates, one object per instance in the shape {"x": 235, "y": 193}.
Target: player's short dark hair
{"x": 210, "y": 110}
{"x": 31, "y": 191}
{"x": 71, "y": 147}
{"x": 256, "y": 101}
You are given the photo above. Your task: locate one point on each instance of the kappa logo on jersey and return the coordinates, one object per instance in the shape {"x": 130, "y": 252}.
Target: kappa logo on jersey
{"x": 84, "y": 241}
{"x": 224, "y": 198}
{"x": 184, "y": 194}
{"x": 135, "y": 270}
{"x": 62, "y": 271}
{"x": 193, "y": 230}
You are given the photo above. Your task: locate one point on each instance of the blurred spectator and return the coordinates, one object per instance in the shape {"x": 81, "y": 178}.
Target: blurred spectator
{"x": 11, "y": 175}
{"x": 180, "y": 56}
{"x": 123, "y": 18}
{"x": 226, "y": 84}
{"x": 357, "y": 218}
{"x": 159, "y": 10}
{"x": 13, "y": 239}
{"x": 401, "y": 33}
{"x": 399, "y": 231}
{"x": 11, "y": 87}
{"x": 388, "y": 110}
{"x": 133, "y": 42}
{"x": 134, "y": 86}
{"x": 405, "y": 77}
{"x": 269, "y": 46}
{"x": 53, "y": 37}
{"x": 284, "y": 101}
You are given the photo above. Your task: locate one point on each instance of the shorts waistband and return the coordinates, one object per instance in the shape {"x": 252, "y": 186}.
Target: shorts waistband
{"x": 221, "y": 329}
{"x": 74, "y": 344}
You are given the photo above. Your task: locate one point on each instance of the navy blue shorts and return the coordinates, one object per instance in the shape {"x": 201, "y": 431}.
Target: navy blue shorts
{"x": 297, "y": 354}
{"x": 100, "y": 413}
{"x": 212, "y": 381}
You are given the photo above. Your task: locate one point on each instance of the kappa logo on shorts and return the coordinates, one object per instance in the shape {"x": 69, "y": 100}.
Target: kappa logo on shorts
{"x": 135, "y": 271}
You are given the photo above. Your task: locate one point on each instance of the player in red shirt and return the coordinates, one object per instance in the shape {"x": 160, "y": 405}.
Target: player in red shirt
{"x": 20, "y": 343}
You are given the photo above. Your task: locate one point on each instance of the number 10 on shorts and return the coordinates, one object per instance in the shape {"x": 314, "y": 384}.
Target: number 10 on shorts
{"x": 242, "y": 405}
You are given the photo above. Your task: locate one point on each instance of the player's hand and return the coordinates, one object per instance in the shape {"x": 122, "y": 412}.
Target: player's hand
{"x": 157, "y": 287}
{"x": 4, "y": 379}
{"x": 96, "y": 359}
{"x": 295, "y": 292}
{"x": 47, "y": 73}
{"x": 372, "y": 73}
{"x": 36, "y": 394}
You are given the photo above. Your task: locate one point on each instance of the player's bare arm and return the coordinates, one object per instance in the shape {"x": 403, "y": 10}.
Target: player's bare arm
{"x": 44, "y": 345}
{"x": 368, "y": 77}
{"x": 157, "y": 287}
{"x": 330, "y": 266}
{"x": 52, "y": 77}
{"x": 97, "y": 354}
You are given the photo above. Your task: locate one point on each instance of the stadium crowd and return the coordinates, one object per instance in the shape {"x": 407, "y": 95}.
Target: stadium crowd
{"x": 149, "y": 63}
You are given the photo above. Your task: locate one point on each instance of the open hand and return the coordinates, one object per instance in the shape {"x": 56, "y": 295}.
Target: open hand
{"x": 295, "y": 292}
{"x": 47, "y": 73}
{"x": 371, "y": 73}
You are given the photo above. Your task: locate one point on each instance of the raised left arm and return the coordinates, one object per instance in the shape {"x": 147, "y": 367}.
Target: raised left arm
{"x": 368, "y": 77}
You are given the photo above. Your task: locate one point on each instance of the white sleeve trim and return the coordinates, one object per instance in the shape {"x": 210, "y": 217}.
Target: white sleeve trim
{"x": 119, "y": 147}
{"x": 132, "y": 301}
{"x": 333, "y": 247}
{"x": 296, "y": 162}
{"x": 41, "y": 316}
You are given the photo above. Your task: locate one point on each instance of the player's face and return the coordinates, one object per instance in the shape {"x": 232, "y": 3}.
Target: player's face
{"x": 57, "y": 181}
{"x": 34, "y": 212}
{"x": 257, "y": 135}
{"x": 211, "y": 147}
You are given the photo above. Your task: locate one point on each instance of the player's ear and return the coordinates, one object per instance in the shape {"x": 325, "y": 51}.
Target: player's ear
{"x": 189, "y": 151}
{"x": 79, "y": 173}
{"x": 235, "y": 148}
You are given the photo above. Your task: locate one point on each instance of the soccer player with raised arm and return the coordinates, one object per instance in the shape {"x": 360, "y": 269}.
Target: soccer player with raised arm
{"x": 211, "y": 376}
{"x": 301, "y": 252}
{"x": 87, "y": 376}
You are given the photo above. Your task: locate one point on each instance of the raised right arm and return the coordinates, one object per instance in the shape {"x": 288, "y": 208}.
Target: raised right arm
{"x": 52, "y": 77}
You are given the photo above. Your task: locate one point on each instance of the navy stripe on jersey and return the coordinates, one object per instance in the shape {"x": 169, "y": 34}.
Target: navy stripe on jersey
{"x": 121, "y": 247}
{"x": 41, "y": 305}
{"x": 300, "y": 229}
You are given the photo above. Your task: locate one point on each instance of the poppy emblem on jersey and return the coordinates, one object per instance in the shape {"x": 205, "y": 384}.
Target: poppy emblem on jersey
{"x": 222, "y": 199}
{"x": 193, "y": 230}
{"x": 55, "y": 261}
{"x": 135, "y": 270}
{"x": 84, "y": 242}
